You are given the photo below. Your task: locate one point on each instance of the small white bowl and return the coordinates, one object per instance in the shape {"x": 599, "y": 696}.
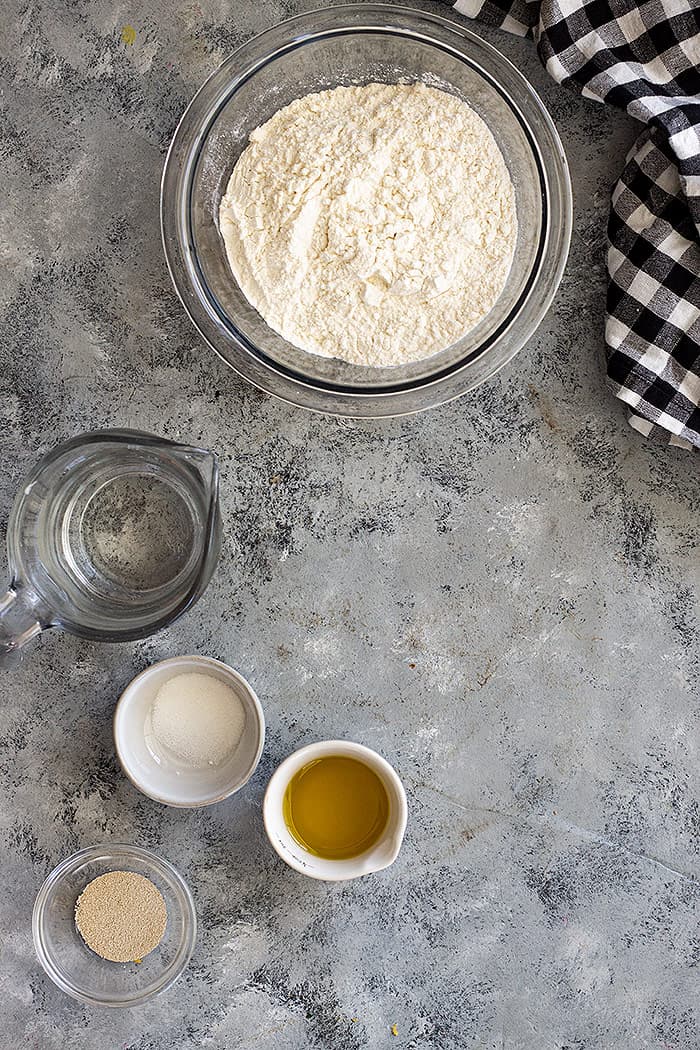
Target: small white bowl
{"x": 380, "y": 856}
{"x": 171, "y": 784}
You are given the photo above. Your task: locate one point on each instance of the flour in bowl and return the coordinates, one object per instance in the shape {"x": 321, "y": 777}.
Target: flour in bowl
{"x": 374, "y": 224}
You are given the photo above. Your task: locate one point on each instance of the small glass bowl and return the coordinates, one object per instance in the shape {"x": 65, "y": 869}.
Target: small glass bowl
{"x": 316, "y": 51}
{"x": 74, "y": 967}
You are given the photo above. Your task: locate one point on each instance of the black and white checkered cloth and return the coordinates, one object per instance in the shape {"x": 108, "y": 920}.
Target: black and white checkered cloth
{"x": 645, "y": 58}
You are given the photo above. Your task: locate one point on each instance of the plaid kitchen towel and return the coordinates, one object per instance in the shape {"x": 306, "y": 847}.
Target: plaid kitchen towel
{"x": 645, "y": 58}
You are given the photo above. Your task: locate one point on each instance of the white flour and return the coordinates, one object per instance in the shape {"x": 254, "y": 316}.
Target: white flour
{"x": 374, "y": 224}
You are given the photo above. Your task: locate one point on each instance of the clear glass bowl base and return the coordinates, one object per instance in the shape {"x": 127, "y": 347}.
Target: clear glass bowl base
{"x": 74, "y": 967}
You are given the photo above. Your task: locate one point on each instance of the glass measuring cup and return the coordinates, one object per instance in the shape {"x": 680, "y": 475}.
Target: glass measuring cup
{"x": 113, "y": 535}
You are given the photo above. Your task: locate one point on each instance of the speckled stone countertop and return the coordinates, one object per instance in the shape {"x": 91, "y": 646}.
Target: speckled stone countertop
{"x": 500, "y": 596}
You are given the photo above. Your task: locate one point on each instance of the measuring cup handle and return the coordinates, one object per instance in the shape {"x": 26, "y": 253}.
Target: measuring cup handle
{"x": 19, "y": 623}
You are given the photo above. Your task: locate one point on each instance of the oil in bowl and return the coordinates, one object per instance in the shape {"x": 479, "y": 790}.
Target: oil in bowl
{"x": 336, "y": 807}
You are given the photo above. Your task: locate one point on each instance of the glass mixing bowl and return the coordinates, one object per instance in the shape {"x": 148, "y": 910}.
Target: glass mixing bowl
{"x": 74, "y": 967}
{"x": 359, "y": 44}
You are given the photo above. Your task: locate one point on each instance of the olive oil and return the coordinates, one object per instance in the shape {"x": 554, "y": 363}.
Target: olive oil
{"x": 336, "y": 807}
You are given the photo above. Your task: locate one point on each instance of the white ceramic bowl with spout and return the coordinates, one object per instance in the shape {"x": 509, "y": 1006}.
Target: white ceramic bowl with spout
{"x": 379, "y": 856}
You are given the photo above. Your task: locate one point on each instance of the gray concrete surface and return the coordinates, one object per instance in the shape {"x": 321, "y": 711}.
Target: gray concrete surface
{"x": 500, "y": 596}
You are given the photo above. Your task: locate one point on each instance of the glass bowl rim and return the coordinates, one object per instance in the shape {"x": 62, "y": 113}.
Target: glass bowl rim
{"x": 54, "y": 880}
{"x": 240, "y": 352}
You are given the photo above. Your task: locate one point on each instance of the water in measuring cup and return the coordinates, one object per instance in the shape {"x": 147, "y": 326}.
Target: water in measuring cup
{"x": 113, "y": 535}
{"x": 136, "y": 532}
{"x": 114, "y": 540}
{"x": 123, "y": 545}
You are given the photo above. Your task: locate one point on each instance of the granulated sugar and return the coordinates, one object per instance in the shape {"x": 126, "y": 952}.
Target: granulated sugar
{"x": 198, "y": 719}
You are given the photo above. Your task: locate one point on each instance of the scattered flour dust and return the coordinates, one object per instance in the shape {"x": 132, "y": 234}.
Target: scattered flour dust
{"x": 374, "y": 224}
